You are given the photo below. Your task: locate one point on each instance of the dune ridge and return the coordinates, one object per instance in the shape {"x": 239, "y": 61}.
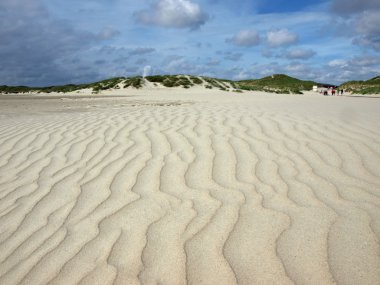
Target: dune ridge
{"x": 202, "y": 192}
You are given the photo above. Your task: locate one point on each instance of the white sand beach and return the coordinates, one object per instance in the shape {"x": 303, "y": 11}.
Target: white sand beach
{"x": 173, "y": 187}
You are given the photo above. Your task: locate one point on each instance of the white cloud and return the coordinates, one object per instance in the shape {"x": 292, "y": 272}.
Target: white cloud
{"x": 300, "y": 54}
{"x": 337, "y": 63}
{"x": 246, "y": 38}
{"x": 173, "y": 14}
{"x": 282, "y": 37}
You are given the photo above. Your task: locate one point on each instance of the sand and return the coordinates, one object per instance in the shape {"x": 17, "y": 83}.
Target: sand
{"x": 189, "y": 187}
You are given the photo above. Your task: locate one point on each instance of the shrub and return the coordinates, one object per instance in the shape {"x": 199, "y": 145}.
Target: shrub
{"x": 168, "y": 82}
{"x": 135, "y": 82}
{"x": 196, "y": 80}
{"x": 156, "y": 78}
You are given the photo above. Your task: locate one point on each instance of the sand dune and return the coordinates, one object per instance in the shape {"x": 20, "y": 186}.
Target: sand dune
{"x": 229, "y": 189}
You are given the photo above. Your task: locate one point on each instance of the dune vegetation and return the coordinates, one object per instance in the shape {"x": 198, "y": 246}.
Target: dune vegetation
{"x": 277, "y": 83}
{"x": 371, "y": 86}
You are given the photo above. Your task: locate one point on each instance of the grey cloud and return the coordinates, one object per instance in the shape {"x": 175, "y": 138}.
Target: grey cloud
{"x": 29, "y": 9}
{"x": 132, "y": 70}
{"x": 292, "y": 54}
{"x": 369, "y": 23}
{"x": 213, "y": 62}
{"x": 141, "y": 61}
{"x": 300, "y": 54}
{"x": 100, "y": 62}
{"x": 359, "y": 19}
{"x": 373, "y": 43}
{"x": 107, "y": 49}
{"x": 170, "y": 58}
{"x": 173, "y": 14}
{"x": 346, "y": 7}
{"x": 356, "y": 62}
{"x": 297, "y": 68}
{"x": 267, "y": 53}
{"x": 368, "y": 29}
{"x": 141, "y": 51}
{"x": 233, "y": 56}
{"x": 229, "y": 55}
{"x": 120, "y": 60}
{"x": 245, "y": 38}
{"x": 33, "y": 45}
{"x": 203, "y": 45}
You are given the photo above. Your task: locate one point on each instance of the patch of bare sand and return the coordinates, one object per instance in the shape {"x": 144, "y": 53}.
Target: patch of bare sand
{"x": 168, "y": 188}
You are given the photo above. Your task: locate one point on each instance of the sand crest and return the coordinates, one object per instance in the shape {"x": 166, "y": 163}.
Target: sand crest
{"x": 190, "y": 189}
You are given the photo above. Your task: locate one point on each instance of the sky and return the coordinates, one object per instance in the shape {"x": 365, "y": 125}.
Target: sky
{"x": 53, "y": 42}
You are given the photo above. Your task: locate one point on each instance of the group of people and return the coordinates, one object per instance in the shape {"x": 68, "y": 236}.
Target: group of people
{"x": 333, "y": 92}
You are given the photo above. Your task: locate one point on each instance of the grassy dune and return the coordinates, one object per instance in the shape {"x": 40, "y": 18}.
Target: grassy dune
{"x": 278, "y": 83}
{"x": 371, "y": 86}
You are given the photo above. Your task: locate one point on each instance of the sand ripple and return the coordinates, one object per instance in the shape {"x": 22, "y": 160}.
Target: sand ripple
{"x": 188, "y": 194}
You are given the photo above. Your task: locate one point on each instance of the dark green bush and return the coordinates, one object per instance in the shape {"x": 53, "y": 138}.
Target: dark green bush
{"x": 196, "y": 80}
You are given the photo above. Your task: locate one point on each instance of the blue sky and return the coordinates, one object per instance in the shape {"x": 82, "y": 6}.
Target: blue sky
{"x": 48, "y": 42}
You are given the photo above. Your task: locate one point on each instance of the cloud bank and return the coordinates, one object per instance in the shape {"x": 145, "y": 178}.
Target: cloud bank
{"x": 362, "y": 17}
{"x": 33, "y": 44}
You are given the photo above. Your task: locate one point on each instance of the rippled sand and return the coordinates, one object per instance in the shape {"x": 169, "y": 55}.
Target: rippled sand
{"x": 229, "y": 189}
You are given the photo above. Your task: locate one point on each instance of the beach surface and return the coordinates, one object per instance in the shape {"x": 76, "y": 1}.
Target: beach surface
{"x": 189, "y": 187}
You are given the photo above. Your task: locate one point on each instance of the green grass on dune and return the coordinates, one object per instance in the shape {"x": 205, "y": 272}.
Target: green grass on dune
{"x": 371, "y": 86}
{"x": 278, "y": 83}
{"x": 171, "y": 80}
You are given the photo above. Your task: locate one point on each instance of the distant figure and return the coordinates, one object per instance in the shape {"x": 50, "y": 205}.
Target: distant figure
{"x": 341, "y": 92}
{"x": 325, "y": 93}
{"x": 333, "y": 92}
